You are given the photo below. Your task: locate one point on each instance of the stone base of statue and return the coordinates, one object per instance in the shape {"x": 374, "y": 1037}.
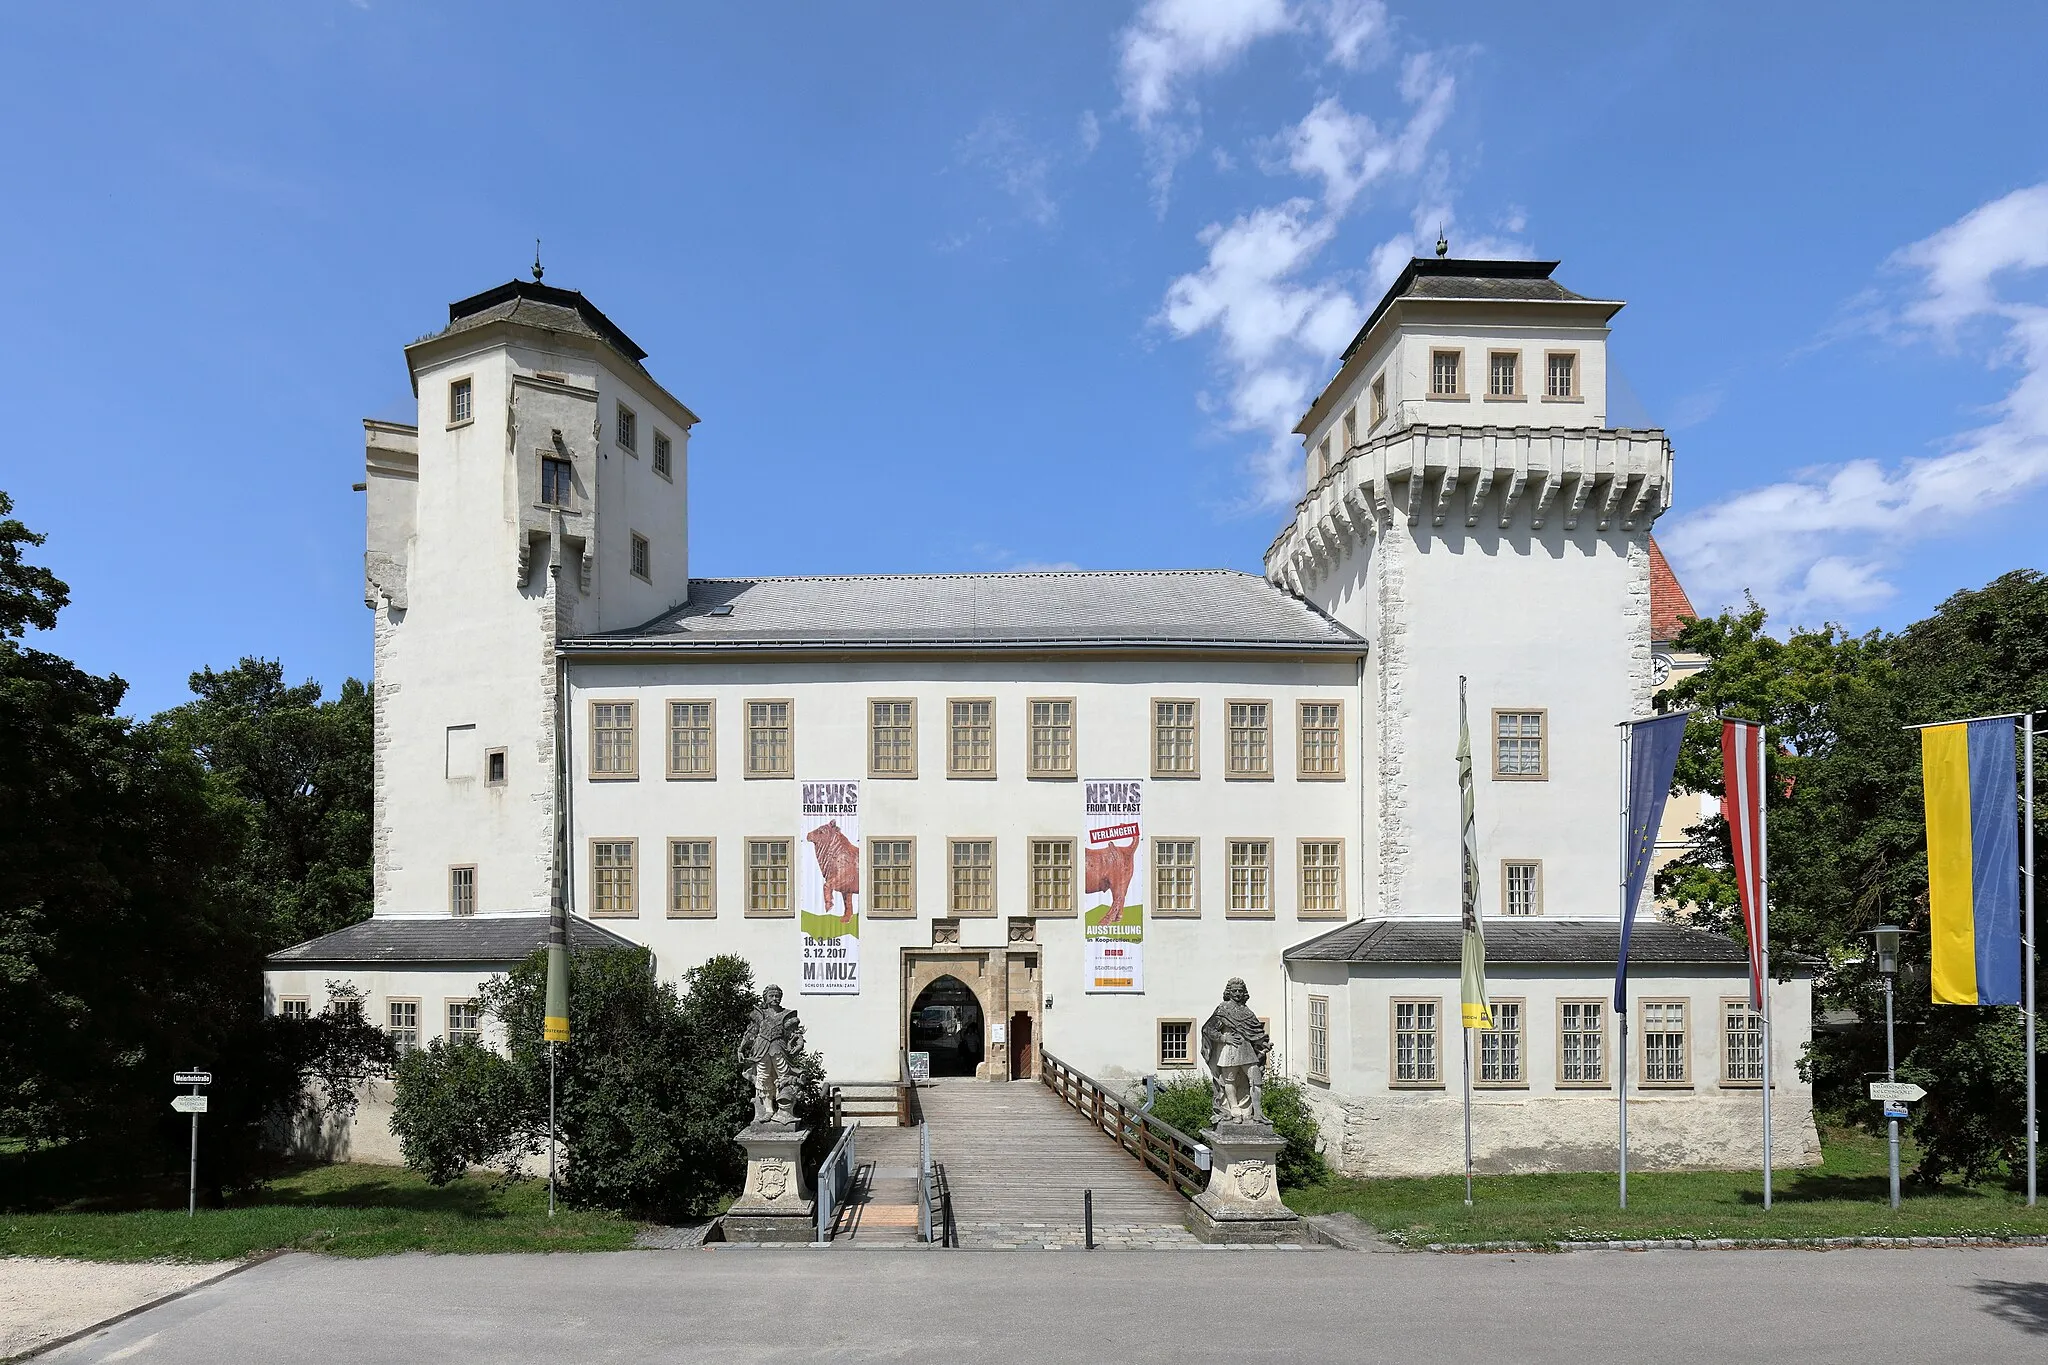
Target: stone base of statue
{"x": 1242, "y": 1203}
{"x": 776, "y": 1205}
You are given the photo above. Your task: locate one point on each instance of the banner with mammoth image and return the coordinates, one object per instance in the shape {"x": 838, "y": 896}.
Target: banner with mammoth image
{"x": 828, "y": 886}
{"x": 1113, "y": 890}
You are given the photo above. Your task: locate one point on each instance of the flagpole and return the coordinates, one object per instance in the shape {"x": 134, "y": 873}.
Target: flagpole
{"x": 1468, "y": 1116}
{"x": 1622, "y": 966}
{"x": 1763, "y": 887}
{"x": 551, "y": 1130}
{"x": 2028, "y": 944}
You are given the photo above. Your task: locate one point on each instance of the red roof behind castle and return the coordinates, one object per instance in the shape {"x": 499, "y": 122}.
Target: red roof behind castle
{"x": 1670, "y": 608}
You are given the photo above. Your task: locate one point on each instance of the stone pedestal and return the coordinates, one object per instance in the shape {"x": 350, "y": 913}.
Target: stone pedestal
{"x": 776, "y": 1205}
{"x": 1242, "y": 1203}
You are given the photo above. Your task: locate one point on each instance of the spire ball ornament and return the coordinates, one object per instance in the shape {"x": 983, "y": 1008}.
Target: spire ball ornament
{"x": 537, "y": 272}
{"x": 1443, "y": 246}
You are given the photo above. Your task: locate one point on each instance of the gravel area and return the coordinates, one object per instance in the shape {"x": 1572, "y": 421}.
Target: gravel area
{"x": 42, "y": 1300}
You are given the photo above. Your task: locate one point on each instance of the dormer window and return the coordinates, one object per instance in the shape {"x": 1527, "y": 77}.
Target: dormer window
{"x": 1446, "y": 378}
{"x": 556, "y": 477}
{"x": 1562, "y": 375}
{"x": 629, "y": 429}
{"x": 1504, "y": 375}
{"x": 458, "y": 402}
{"x": 1379, "y": 403}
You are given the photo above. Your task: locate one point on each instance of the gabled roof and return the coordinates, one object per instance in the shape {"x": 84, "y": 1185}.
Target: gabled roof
{"x": 499, "y": 939}
{"x": 1670, "y": 608}
{"x": 1533, "y": 942}
{"x": 1203, "y": 608}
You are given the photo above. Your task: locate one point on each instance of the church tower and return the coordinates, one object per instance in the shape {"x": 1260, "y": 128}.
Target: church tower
{"x": 1469, "y": 510}
{"x": 542, "y": 493}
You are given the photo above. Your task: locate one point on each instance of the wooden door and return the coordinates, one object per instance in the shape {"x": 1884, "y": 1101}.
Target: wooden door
{"x": 1022, "y": 1057}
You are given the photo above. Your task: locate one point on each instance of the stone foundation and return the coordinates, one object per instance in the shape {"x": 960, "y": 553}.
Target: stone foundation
{"x": 1242, "y": 1202}
{"x": 776, "y": 1205}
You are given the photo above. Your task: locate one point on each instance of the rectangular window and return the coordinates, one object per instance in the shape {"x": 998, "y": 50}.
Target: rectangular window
{"x": 1251, "y": 739}
{"x": 770, "y": 739}
{"x": 1379, "y": 400}
{"x": 462, "y": 890}
{"x": 639, "y": 560}
{"x": 458, "y": 402}
{"x": 465, "y": 1021}
{"x": 1415, "y": 1042}
{"x": 1175, "y": 752}
{"x": 1504, "y": 375}
{"x": 1175, "y": 879}
{"x": 1350, "y": 428}
{"x": 614, "y": 739}
{"x": 294, "y": 1007}
{"x": 692, "y": 739}
{"x": 971, "y": 738}
{"x": 974, "y": 877}
{"x": 1582, "y": 1042}
{"x": 557, "y": 479}
{"x": 402, "y": 1019}
{"x": 1322, "y": 460}
{"x": 1322, "y": 878}
{"x": 1561, "y": 378}
{"x": 892, "y": 878}
{"x": 613, "y": 889}
{"x": 1500, "y": 1047}
{"x": 629, "y": 428}
{"x": 1521, "y": 888}
{"x": 892, "y": 738}
{"x": 1052, "y": 876}
{"x": 664, "y": 456}
{"x": 692, "y": 879}
{"x": 768, "y": 877}
{"x": 1664, "y": 1043}
{"x": 1518, "y": 744}
{"x": 1742, "y": 1043}
{"x": 1445, "y": 379}
{"x": 1320, "y": 741}
{"x": 1319, "y": 1037}
{"x": 1176, "y": 1042}
{"x": 1052, "y": 737}
{"x": 494, "y": 767}
{"x": 1251, "y": 877}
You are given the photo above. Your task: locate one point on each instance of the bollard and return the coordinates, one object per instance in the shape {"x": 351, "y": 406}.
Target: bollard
{"x": 1088, "y": 1218}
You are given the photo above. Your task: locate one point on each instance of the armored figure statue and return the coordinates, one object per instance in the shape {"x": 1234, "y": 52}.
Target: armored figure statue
{"x": 773, "y": 1036}
{"x": 1235, "y": 1046}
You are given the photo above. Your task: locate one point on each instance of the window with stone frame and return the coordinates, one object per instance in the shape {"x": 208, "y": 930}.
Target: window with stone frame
{"x": 1561, "y": 377}
{"x": 1052, "y": 737}
{"x": 613, "y": 890}
{"x": 1416, "y": 1043}
{"x": 614, "y": 739}
{"x": 1052, "y": 876}
{"x": 1518, "y": 738}
{"x": 1582, "y": 1042}
{"x": 1319, "y": 1037}
{"x": 1521, "y": 886}
{"x": 462, "y": 890}
{"x": 664, "y": 457}
{"x": 641, "y": 558}
{"x": 1665, "y": 1039}
{"x": 628, "y": 429}
{"x": 1251, "y": 877}
{"x": 770, "y": 739}
{"x": 402, "y": 1022}
{"x": 1446, "y": 377}
{"x": 294, "y": 1007}
{"x": 1322, "y": 877}
{"x": 1500, "y": 1047}
{"x": 1176, "y": 883}
{"x": 1176, "y": 1043}
{"x": 768, "y": 877}
{"x": 1379, "y": 401}
{"x": 459, "y": 402}
{"x": 1742, "y": 1043}
{"x": 892, "y": 878}
{"x": 1319, "y": 740}
{"x": 892, "y": 737}
{"x": 1250, "y": 752}
{"x": 692, "y": 879}
{"x": 1350, "y": 428}
{"x": 971, "y": 737}
{"x": 693, "y": 739}
{"x": 465, "y": 1021}
{"x": 1504, "y": 374}
{"x": 557, "y": 481}
{"x": 973, "y": 890}
{"x": 1176, "y": 750}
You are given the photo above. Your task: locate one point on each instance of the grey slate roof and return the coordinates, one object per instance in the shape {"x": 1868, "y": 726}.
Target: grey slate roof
{"x": 1201, "y": 607}
{"x": 1654, "y": 943}
{"x": 482, "y": 938}
{"x": 533, "y": 304}
{"x": 1432, "y": 278}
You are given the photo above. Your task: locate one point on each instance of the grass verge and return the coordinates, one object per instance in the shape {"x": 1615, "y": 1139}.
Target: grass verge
{"x": 1845, "y": 1196}
{"x": 346, "y": 1210}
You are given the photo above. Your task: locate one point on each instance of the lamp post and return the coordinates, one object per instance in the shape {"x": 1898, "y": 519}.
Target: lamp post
{"x": 1887, "y": 940}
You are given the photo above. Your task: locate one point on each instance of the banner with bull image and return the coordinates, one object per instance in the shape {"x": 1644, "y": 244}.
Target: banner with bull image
{"x": 828, "y": 887}
{"x": 1113, "y": 899}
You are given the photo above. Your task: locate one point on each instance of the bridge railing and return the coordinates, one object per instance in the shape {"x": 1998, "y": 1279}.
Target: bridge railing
{"x": 835, "y": 1183}
{"x": 1163, "y": 1149}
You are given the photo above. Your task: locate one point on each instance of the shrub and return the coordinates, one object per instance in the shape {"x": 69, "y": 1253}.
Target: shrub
{"x": 1189, "y": 1105}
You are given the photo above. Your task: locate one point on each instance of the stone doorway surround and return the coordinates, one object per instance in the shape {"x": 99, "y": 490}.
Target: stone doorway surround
{"x": 1004, "y": 982}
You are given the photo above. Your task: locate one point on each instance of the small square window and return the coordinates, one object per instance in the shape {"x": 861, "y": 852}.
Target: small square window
{"x": 640, "y": 557}
{"x": 462, "y": 890}
{"x": 663, "y": 454}
{"x": 629, "y": 429}
{"x": 556, "y": 481}
{"x": 494, "y": 767}
{"x": 1446, "y": 377}
{"x": 1518, "y": 744}
{"x": 1521, "y": 891}
{"x": 1176, "y": 1043}
{"x": 458, "y": 402}
{"x": 465, "y": 1021}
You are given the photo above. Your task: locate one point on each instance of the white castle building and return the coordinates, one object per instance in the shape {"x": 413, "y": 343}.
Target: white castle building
{"x": 1068, "y": 806}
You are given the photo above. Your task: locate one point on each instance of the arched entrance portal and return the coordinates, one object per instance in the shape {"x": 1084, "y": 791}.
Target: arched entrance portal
{"x": 946, "y": 1021}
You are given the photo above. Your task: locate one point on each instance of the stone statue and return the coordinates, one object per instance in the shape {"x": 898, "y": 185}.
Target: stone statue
{"x": 773, "y": 1036}
{"x": 1235, "y": 1046}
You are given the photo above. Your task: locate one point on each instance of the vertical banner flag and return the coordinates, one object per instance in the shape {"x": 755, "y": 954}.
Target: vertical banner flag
{"x": 1973, "y": 865}
{"x": 1113, "y": 891}
{"x": 1652, "y": 759}
{"x": 555, "y": 1014}
{"x": 827, "y": 888}
{"x": 1472, "y": 980}
{"x": 1743, "y": 779}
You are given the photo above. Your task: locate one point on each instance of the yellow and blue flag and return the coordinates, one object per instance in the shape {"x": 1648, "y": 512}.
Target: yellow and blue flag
{"x": 1973, "y": 866}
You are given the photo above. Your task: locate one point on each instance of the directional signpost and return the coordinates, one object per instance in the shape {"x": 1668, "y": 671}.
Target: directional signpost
{"x": 195, "y": 1105}
{"x": 1903, "y": 1092}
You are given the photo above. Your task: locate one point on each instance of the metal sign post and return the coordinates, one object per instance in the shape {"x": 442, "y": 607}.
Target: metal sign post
{"x": 195, "y": 1105}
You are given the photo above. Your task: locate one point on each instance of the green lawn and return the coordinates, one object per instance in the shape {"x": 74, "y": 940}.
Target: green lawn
{"x": 1846, "y": 1196}
{"x": 347, "y": 1210}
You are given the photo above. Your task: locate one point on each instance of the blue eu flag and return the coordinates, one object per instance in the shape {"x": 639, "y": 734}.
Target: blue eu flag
{"x": 1652, "y": 759}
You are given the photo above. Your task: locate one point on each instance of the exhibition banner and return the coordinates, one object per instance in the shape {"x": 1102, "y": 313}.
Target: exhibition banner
{"x": 1113, "y": 899}
{"x": 827, "y": 885}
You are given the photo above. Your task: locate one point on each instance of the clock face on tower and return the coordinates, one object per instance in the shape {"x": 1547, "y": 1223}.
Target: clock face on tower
{"x": 1660, "y": 669}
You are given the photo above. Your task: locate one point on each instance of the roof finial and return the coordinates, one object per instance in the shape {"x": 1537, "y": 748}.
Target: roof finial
{"x": 1443, "y": 247}
{"x": 537, "y": 270}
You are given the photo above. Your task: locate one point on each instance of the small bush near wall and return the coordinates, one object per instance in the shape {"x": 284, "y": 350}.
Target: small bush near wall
{"x": 1189, "y": 1105}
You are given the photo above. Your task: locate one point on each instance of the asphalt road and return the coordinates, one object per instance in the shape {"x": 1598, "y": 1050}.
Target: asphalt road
{"x": 988, "y": 1308}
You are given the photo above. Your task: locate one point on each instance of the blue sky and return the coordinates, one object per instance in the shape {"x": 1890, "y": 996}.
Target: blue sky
{"x": 981, "y": 287}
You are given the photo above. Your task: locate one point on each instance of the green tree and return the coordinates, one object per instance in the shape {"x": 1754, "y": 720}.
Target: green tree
{"x": 1188, "y": 1104}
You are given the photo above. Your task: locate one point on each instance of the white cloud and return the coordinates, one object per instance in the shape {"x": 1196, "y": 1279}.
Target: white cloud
{"x": 1827, "y": 538}
{"x": 1355, "y": 29}
{"x": 1090, "y": 131}
{"x": 1020, "y": 168}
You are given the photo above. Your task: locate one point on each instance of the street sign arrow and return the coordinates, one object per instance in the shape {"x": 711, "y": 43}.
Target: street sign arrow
{"x": 189, "y": 1104}
{"x": 1896, "y": 1090}
{"x": 193, "y": 1078}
